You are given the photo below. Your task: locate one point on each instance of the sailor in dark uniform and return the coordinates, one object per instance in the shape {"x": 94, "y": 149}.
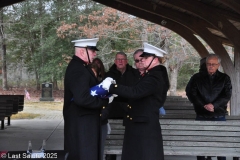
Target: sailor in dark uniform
{"x": 81, "y": 110}
{"x": 143, "y": 137}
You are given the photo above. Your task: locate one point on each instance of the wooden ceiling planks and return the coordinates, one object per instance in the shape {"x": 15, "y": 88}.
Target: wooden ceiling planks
{"x": 4, "y": 3}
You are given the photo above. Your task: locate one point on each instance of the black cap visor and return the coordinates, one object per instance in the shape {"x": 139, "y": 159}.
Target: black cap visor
{"x": 146, "y": 54}
{"x": 92, "y": 48}
{"x": 89, "y": 47}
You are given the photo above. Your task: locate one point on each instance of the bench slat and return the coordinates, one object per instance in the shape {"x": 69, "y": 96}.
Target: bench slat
{"x": 187, "y": 138}
{"x": 194, "y": 151}
{"x": 177, "y": 112}
{"x": 194, "y": 133}
{"x": 193, "y": 122}
{"x": 187, "y": 122}
{"x": 184, "y": 144}
{"x": 188, "y": 133}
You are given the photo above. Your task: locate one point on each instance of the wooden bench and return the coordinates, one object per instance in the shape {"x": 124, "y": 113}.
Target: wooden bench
{"x": 20, "y": 102}
{"x": 6, "y": 108}
{"x": 177, "y": 107}
{"x": 182, "y": 108}
{"x": 187, "y": 137}
{"x": 175, "y": 98}
{"x": 10, "y": 104}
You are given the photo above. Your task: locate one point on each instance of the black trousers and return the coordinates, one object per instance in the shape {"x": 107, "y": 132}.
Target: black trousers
{"x": 203, "y": 158}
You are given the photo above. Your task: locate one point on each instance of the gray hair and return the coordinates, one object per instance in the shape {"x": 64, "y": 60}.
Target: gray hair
{"x": 210, "y": 56}
{"x": 121, "y": 53}
{"x": 138, "y": 50}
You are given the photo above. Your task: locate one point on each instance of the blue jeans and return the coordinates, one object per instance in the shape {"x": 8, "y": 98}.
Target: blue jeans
{"x": 201, "y": 118}
{"x": 162, "y": 111}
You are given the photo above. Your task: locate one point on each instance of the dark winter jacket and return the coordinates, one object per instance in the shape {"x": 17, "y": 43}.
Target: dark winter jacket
{"x": 166, "y": 84}
{"x": 116, "y": 109}
{"x": 215, "y": 89}
{"x": 202, "y": 69}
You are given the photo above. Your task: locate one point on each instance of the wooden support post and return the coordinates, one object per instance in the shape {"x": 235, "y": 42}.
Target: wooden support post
{"x": 2, "y": 124}
{"x": 8, "y": 121}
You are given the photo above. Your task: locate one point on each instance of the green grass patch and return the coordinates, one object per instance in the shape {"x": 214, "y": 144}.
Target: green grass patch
{"x": 24, "y": 116}
{"x": 45, "y": 105}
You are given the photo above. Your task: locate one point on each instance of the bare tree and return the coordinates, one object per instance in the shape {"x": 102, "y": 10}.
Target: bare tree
{"x": 110, "y": 24}
{"x": 3, "y": 52}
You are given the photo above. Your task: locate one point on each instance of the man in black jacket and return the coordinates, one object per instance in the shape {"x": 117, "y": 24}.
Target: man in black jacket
{"x": 81, "y": 111}
{"x": 142, "y": 136}
{"x": 210, "y": 93}
{"x": 124, "y": 74}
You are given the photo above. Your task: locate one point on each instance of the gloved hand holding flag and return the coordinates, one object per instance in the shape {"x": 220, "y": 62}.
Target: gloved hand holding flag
{"x": 98, "y": 91}
{"x": 102, "y": 92}
{"x": 107, "y": 82}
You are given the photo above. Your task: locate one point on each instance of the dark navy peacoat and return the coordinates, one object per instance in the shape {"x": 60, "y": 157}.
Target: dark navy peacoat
{"x": 143, "y": 137}
{"x": 81, "y": 112}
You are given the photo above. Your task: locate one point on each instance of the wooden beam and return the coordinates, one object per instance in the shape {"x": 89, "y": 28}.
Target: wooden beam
{"x": 217, "y": 19}
{"x": 224, "y": 41}
{"x": 187, "y": 34}
{"x": 235, "y": 5}
{"x": 4, "y": 3}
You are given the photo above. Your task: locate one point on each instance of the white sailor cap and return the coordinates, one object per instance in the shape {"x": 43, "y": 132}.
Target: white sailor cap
{"x": 150, "y": 50}
{"x": 86, "y": 43}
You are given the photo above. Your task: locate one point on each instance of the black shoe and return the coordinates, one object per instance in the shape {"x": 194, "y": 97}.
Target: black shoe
{"x": 110, "y": 157}
{"x": 209, "y": 158}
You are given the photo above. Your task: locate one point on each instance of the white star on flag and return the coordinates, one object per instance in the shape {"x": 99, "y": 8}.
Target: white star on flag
{"x": 93, "y": 93}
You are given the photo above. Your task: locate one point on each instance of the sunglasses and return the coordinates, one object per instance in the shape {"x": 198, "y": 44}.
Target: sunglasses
{"x": 137, "y": 60}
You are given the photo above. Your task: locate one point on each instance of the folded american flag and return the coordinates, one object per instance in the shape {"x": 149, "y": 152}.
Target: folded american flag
{"x": 98, "y": 91}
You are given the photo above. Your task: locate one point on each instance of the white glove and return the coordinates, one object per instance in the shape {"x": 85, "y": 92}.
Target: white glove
{"x": 111, "y": 98}
{"x": 114, "y": 82}
{"x": 114, "y": 95}
{"x": 106, "y": 83}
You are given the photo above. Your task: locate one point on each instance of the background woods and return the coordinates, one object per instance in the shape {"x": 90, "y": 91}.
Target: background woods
{"x": 37, "y": 35}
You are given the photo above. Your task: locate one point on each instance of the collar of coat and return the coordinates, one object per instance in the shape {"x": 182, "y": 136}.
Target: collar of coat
{"x": 114, "y": 68}
{"x": 154, "y": 69}
{"x": 79, "y": 60}
{"x": 205, "y": 73}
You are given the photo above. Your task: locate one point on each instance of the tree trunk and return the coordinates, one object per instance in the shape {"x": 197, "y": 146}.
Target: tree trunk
{"x": 4, "y": 69}
{"x": 55, "y": 85}
{"x": 235, "y": 100}
{"x": 173, "y": 81}
{"x": 3, "y": 55}
{"x": 144, "y": 31}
